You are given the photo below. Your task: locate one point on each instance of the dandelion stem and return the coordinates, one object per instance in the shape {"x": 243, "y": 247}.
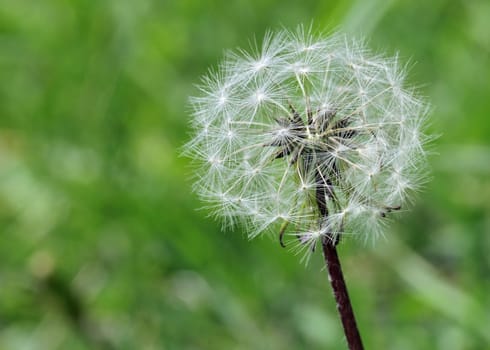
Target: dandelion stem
{"x": 341, "y": 295}
{"x": 335, "y": 275}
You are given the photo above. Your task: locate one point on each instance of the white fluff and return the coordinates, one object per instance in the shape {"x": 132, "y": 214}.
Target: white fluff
{"x": 360, "y": 131}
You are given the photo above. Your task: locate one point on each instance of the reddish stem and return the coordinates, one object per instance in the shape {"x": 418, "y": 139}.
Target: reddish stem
{"x": 341, "y": 295}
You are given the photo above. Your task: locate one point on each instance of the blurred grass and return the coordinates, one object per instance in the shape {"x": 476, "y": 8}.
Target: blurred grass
{"x": 101, "y": 244}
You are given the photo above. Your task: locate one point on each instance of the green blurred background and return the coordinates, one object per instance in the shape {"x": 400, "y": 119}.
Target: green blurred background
{"x": 102, "y": 245}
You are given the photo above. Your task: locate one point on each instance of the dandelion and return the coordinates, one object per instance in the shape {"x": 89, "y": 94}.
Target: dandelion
{"x": 312, "y": 138}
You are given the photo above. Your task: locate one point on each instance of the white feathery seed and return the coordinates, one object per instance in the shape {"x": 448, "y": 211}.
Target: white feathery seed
{"x": 303, "y": 120}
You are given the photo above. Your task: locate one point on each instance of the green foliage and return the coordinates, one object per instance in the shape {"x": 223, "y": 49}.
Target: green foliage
{"x": 101, "y": 243}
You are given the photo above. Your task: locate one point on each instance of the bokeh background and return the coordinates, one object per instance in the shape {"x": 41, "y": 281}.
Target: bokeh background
{"x": 102, "y": 245}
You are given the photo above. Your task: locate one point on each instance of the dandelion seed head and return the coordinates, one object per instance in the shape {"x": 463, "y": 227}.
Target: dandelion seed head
{"x": 306, "y": 121}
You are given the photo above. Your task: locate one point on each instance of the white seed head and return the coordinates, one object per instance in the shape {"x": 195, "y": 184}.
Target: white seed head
{"x": 318, "y": 132}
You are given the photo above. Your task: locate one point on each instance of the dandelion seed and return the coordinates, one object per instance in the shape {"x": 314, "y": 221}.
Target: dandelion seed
{"x": 270, "y": 120}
